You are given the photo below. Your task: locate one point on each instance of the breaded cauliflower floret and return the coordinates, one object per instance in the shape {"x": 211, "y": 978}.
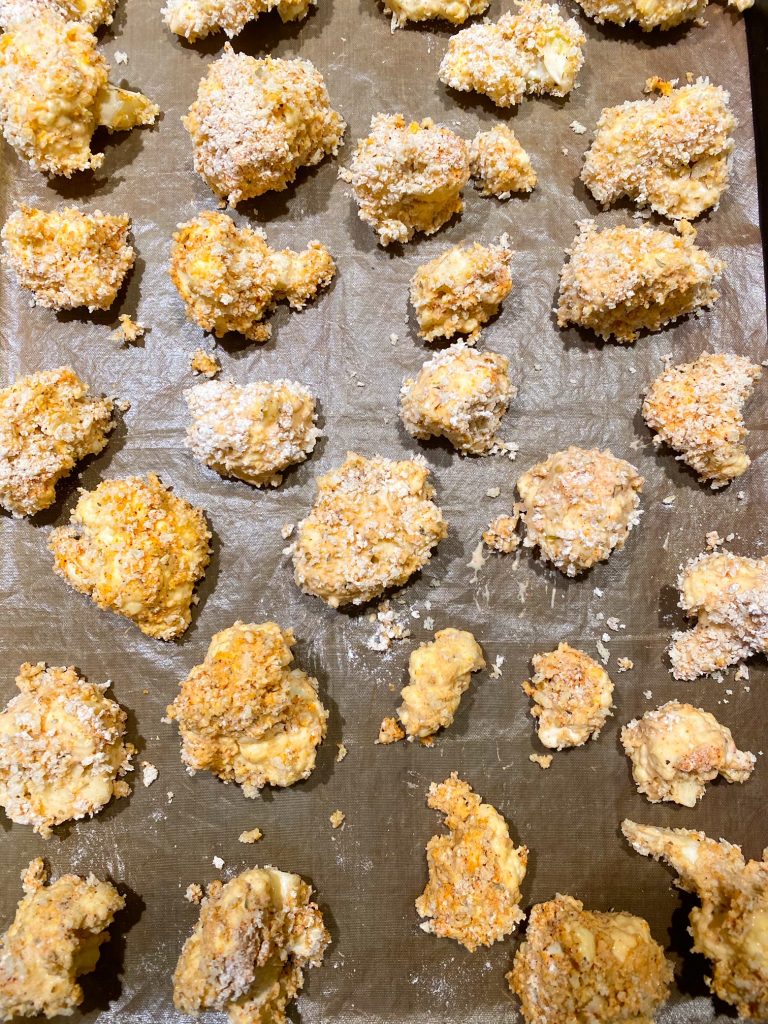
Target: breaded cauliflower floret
{"x": 532, "y": 52}
{"x": 650, "y": 14}
{"x": 93, "y": 12}
{"x": 571, "y": 696}
{"x": 698, "y": 409}
{"x": 499, "y": 165}
{"x": 454, "y": 11}
{"x": 407, "y": 177}
{"x": 196, "y": 19}
{"x": 54, "y": 93}
{"x": 255, "y": 122}
{"x": 229, "y": 278}
{"x": 501, "y": 534}
{"x": 621, "y": 280}
{"x": 137, "y": 550}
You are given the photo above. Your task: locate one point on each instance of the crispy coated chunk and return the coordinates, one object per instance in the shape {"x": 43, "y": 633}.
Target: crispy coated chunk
{"x": 499, "y": 164}
{"x": 475, "y": 872}
{"x": 650, "y": 14}
{"x": 697, "y": 409}
{"x": 93, "y": 12}
{"x": 501, "y": 534}
{"x": 577, "y": 965}
{"x": 247, "y": 953}
{"x": 454, "y": 11}
{"x": 407, "y": 177}
{"x": 196, "y": 19}
{"x": 532, "y": 52}
{"x": 255, "y": 122}
{"x": 372, "y": 526}
{"x": 137, "y": 550}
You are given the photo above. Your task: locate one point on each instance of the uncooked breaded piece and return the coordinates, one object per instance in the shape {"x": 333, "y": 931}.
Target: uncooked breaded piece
{"x": 407, "y": 177}
{"x": 196, "y": 19}
{"x": 48, "y": 423}
{"x": 730, "y": 927}
{"x": 578, "y": 506}
{"x": 698, "y": 409}
{"x": 534, "y": 51}
{"x": 54, "y": 938}
{"x": 254, "y": 432}
{"x": 621, "y": 281}
{"x": 255, "y": 122}
{"x": 475, "y": 872}
{"x": 571, "y": 696}
{"x": 650, "y": 14}
{"x": 728, "y": 595}
{"x": 93, "y": 12}
{"x": 579, "y": 966}
{"x": 54, "y": 93}
{"x": 135, "y": 549}
{"x": 499, "y": 164}
{"x": 62, "y": 751}
{"x": 501, "y": 534}
{"x": 372, "y": 526}
{"x": 454, "y": 11}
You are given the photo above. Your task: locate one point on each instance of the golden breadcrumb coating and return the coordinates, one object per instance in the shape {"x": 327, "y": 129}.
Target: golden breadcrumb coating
{"x": 372, "y": 526}
{"x": 390, "y": 731}
{"x": 128, "y": 330}
{"x": 246, "y": 715}
{"x": 499, "y": 165}
{"x": 571, "y": 696}
{"x": 255, "y": 122}
{"x": 534, "y": 51}
{"x": 698, "y": 409}
{"x": 54, "y": 938}
{"x": 92, "y": 12}
{"x": 730, "y": 927}
{"x": 650, "y": 14}
{"x": 454, "y": 11}
{"x": 475, "y": 872}
{"x": 254, "y": 432}
{"x": 578, "y": 965}
{"x": 578, "y": 506}
{"x": 407, "y": 177}
{"x": 501, "y": 533}
{"x": 54, "y": 93}
{"x": 48, "y": 423}
{"x": 61, "y": 749}
{"x": 135, "y": 549}
{"x": 68, "y": 258}
{"x": 669, "y": 153}
{"x": 229, "y": 278}
{"x": 621, "y": 280}
{"x": 204, "y": 363}
{"x": 728, "y": 596}
{"x": 196, "y": 19}
{"x": 247, "y": 953}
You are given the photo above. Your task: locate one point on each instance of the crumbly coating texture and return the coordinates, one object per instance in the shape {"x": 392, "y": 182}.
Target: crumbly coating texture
{"x": 669, "y": 153}
{"x": 571, "y": 696}
{"x": 247, "y": 953}
{"x": 255, "y": 122}
{"x": 499, "y": 165}
{"x": 578, "y": 506}
{"x": 728, "y": 596}
{"x": 501, "y": 534}
{"x": 372, "y": 526}
{"x": 128, "y": 330}
{"x": 68, "y": 258}
{"x": 475, "y": 872}
{"x": 621, "y": 280}
{"x": 730, "y": 927}
{"x": 48, "y": 423}
{"x": 577, "y": 965}
{"x": 135, "y": 549}
{"x": 204, "y": 363}
{"x": 650, "y": 14}
{"x": 254, "y": 432}
{"x": 698, "y": 409}
{"x": 229, "y": 278}
{"x": 407, "y": 177}
{"x": 246, "y": 715}
{"x": 454, "y": 11}
{"x": 460, "y": 290}
{"x": 93, "y": 12}
{"x": 196, "y": 19}
{"x": 54, "y": 938}
{"x": 534, "y": 51}
{"x": 62, "y": 749}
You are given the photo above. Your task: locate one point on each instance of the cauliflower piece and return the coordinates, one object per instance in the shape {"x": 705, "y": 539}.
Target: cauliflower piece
{"x": 93, "y": 13}
{"x": 196, "y": 19}
{"x": 248, "y": 950}
{"x": 730, "y": 927}
{"x": 255, "y": 122}
{"x": 728, "y": 595}
{"x": 204, "y": 363}
{"x": 501, "y": 535}
{"x": 128, "y": 330}
{"x": 475, "y": 872}
{"x": 372, "y": 526}
{"x": 454, "y": 11}
{"x": 651, "y": 14}
{"x": 48, "y": 423}
{"x": 54, "y": 938}
{"x": 697, "y": 409}
{"x": 578, "y": 506}
{"x": 534, "y": 52}
{"x": 390, "y": 731}
{"x": 407, "y": 177}
{"x": 137, "y": 550}
{"x": 499, "y": 164}
{"x": 229, "y": 278}
{"x": 582, "y": 965}
{"x": 621, "y": 281}
{"x": 254, "y": 432}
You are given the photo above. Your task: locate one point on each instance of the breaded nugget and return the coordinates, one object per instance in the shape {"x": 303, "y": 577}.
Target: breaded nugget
{"x": 135, "y": 549}
{"x": 92, "y": 12}
{"x": 499, "y": 164}
{"x": 196, "y": 19}
{"x": 454, "y": 11}
{"x": 650, "y": 14}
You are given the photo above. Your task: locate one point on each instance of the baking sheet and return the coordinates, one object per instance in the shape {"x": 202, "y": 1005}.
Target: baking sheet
{"x": 381, "y": 967}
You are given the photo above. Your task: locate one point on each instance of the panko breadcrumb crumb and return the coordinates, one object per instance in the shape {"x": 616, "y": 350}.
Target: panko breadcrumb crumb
{"x": 196, "y": 19}
{"x": 204, "y": 363}
{"x": 337, "y": 819}
{"x": 253, "y": 835}
{"x": 651, "y": 14}
{"x": 128, "y": 330}
{"x": 390, "y": 731}
{"x": 499, "y": 165}
{"x": 501, "y": 534}
{"x": 454, "y": 11}
{"x": 544, "y": 761}
{"x": 571, "y": 696}
{"x": 93, "y": 13}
